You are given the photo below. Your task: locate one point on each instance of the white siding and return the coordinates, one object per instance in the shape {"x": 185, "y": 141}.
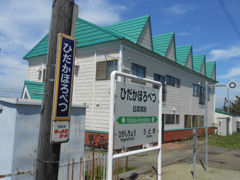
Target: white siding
{"x": 189, "y": 60}
{"x": 214, "y": 73}
{"x": 145, "y": 38}
{"x": 95, "y": 94}
{"x": 182, "y": 98}
{"x": 33, "y": 72}
{"x": 170, "y": 54}
{"x": 202, "y": 71}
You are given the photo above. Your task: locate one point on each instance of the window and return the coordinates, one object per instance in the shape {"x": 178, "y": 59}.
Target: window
{"x": 201, "y": 94}
{"x": 195, "y": 90}
{"x": 187, "y": 121}
{"x": 171, "y": 119}
{"x": 105, "y": 68}
{"x": 193, "y": 121}
{"x": 170, "y": 80}
{"x": 201, "y": 121}
{"x": 178, "y": 82}
{"x": 161, "y": 79}
{"x": 138, "y": 70}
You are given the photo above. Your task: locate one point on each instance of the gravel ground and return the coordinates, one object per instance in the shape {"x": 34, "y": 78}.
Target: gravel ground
{"x": 184, "y": 172}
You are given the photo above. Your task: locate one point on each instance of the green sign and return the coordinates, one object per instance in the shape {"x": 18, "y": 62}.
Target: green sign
{"x": 136, "y": 119}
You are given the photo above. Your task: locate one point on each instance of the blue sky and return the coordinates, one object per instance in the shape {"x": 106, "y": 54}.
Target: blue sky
{"x": 202, "y": 24}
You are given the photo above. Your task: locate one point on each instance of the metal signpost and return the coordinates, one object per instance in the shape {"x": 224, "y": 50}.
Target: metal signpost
{"x": 136, "y": 118}
{"x": 63, "y": 89}
{"x": 194, "y": 152}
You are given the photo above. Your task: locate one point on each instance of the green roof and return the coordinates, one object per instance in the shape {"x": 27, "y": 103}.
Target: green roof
{"x": 39, "y": 49}
{"x": 36, "y": 87}
{"x": 162, "y": 42}
{"x": 221, "y": 112}
{"x": 197, "y": 62}
{"x": 86, "y": 34}
{"x": 210, "y": 66}
{"x": 182, "y": 53}
{"x": 131, "y": 29}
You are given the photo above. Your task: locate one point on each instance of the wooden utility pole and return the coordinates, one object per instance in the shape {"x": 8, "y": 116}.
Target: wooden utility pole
{"x": 49, "y": 154}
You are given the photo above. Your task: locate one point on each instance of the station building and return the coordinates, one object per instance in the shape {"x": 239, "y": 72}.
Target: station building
{"x": 130, "y": 47}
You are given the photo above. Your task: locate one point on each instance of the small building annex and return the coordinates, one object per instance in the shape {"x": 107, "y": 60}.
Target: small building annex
{"x": 130, "y": 47}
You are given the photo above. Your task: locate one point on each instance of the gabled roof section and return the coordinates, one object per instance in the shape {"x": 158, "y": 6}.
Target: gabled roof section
{"x": 86, "y": 34}
{"x": 33, "y": 87}
{"x": 198, "y": 61}
{"x": 182, "y": 54}
{"x": 131, "y": 29}
{"x": 211, "y": 69}
{"x": 145, "y": 38}
{"x": 161, "y": 43}
{"x": 39, "y": 49}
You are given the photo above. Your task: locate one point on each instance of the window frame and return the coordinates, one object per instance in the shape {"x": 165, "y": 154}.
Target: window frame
{"x": 105, "y": 67}
{"x": 138, "y": 70}
{"x": 163, "y": 84}
{"x": 172, "y": 80}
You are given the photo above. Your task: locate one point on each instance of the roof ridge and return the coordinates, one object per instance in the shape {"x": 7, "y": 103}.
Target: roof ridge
{"x": 25, "y": 57}
{"x": 100, "y": 28}
{"x": 163, "y": 34}
{"x": 129, "y": 20}
{"x": 148, "y": 20}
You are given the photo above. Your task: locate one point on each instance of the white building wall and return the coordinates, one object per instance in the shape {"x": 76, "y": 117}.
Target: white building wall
{"x": 189, "y": 60}
{"x": 33, "y": 70}
{"x": 182, "y": 98}
{"x": 170, "y": 54}
{"x": 95, "y": 93}
{"x": 145, "y": 38}
{"x": 91, "y": 92}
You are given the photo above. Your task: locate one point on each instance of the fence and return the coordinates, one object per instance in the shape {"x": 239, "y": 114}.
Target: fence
{"x": 74, "y": 169}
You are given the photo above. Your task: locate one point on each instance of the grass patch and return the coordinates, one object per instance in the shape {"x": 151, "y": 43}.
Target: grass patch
{"x": 121, "y": 170}
{"x": 230, "y": 141}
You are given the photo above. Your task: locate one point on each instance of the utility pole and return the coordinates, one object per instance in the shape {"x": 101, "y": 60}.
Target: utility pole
{"x": 49, "y": 154}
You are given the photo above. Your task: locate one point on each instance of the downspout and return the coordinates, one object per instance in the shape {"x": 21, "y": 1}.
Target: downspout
{"x": 93, "y": 90}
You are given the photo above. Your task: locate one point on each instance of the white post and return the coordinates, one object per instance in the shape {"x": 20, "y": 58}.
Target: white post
{"x": 206, "y": 125}
{"x": 159, "y": 175}
{"x": 110, "y": 135}
{"x": 120, "y": 62}
{"x": 111, "y": 123}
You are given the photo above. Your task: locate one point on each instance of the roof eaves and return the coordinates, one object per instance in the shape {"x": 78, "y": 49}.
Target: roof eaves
{"x": 26, "y": 56}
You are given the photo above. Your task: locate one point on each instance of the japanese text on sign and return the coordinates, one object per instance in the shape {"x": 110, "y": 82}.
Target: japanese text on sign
{"x": 64, "y": 78}
{"x": 137, "y": 95}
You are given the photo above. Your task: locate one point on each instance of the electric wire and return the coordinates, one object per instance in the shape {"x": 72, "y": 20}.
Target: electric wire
{"x": 222, "y": 5}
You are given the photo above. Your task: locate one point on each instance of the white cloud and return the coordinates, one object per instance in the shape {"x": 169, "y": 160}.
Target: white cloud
{"x": 25, "y": 22}
{"x": 100, "y": 12}
{"x": 183, "y": 34}
{"x": 233, "y": 72}
{"x": 225, "y": 54}
{"x": 205, "y": 47}
{"x": 180, "y": 9}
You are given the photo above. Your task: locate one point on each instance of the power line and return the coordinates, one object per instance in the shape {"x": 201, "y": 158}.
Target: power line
{"x": 222, "y": 5}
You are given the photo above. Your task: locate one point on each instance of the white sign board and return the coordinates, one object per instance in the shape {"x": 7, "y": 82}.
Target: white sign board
{"x": 136, "y": 115}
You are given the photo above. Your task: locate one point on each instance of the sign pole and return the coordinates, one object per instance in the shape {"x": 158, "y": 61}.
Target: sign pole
{"x": 48, "y": 154}
{"x": 206, "y": 125}
{"x": 136, "y": 127}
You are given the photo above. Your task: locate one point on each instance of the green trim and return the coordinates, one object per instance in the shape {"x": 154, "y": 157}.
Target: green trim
{"x": 225, "y": 113}
{"x": 92, "y": 131}
{"x": 189, "y": 128}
